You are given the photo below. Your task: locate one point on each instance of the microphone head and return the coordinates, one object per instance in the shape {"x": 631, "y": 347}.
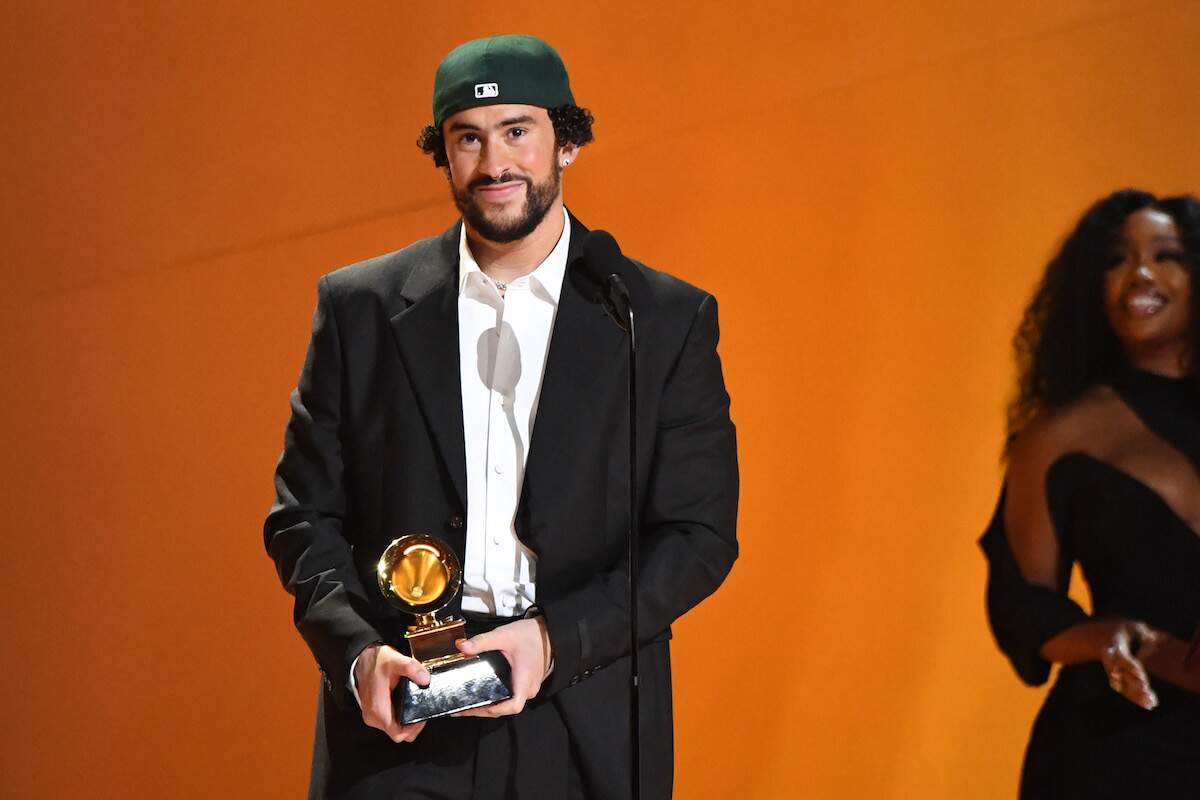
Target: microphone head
{"x": 602, "y": 256}
{"x": 609, "y": 278}
{"x": 604, "y": 266}
{"x": 601, "y": 260}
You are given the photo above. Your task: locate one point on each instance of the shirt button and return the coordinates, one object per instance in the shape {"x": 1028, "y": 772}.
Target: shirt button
{"x": 497, "y": 469}
{"x": 455, "y": 522}
{"x": 508, "y": 602}
{"x": 495, "y": 540}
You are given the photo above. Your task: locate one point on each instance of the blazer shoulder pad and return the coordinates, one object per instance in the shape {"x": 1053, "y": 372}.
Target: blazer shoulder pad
{"x": 672, "y": 296}
{"x": 391, "y": 277}
{"x": 382, "y": 272}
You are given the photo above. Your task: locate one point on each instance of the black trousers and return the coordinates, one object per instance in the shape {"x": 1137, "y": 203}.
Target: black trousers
{"x": 479, "y": 759}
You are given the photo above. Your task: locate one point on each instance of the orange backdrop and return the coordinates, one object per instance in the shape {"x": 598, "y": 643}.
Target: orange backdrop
{"x": 869, "y": 188}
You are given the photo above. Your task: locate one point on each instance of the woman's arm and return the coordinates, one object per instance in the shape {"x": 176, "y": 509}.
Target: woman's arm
{"x": 1022, "y": 615}
{"x": 1119, "y": 644}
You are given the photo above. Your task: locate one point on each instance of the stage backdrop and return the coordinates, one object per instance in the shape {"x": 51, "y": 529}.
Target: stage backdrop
{"x": 868, "y": 188}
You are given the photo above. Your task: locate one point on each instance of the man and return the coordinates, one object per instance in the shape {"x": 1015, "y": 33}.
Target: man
{"x": 415, "y": 412}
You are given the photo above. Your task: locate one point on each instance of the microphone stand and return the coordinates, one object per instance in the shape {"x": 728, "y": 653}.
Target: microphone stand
{"x": 635, "y": 751}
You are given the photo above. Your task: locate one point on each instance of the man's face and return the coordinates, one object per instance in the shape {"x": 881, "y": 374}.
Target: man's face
{"x": 504, "y": 168}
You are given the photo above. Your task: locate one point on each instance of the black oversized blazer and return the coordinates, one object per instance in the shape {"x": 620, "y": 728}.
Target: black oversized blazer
{"x": 374, "y": 449}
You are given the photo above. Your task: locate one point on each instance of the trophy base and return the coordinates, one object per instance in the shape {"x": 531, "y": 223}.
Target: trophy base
{"x": 469, "y": 683}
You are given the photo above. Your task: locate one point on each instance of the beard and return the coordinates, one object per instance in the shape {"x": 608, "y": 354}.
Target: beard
{"x": 538, "y": 199}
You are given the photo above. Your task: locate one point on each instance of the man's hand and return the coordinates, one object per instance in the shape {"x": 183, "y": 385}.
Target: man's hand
{"x": 526, "y": 645}
{"x": 376, "y": 674}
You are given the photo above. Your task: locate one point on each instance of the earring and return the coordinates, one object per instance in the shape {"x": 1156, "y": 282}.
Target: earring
{"x": 566, "y": 161}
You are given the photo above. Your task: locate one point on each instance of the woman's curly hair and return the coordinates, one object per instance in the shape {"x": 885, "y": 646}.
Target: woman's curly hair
{"x": 572, "y": 125}
{"x": 1064, "y": 344}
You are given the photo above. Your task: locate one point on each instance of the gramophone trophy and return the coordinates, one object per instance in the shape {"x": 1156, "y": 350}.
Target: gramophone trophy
{"x": 421, "y": 575}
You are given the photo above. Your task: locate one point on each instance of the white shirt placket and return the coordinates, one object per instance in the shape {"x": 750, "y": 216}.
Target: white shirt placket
{"x": 503, "y": 342}
{"x": 505, "y": 462}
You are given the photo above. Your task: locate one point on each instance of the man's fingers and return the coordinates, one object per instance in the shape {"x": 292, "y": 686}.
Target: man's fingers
{"x": 378, "y": 709}
{"x": 380, "y": 713}
{"x": 401, "y": 733}
{"x": 415, "y": 672}
{"x": 526, "y": 681}
{"x": 513, "y": 705}
{"x": 407, "y": 733}
{"x": 524, "y": 687}
{"x": 478, "y": 644}
{"x": 524, "y": 644}
{"x": 399, "y": 667}
{"x": 522, "y": 691}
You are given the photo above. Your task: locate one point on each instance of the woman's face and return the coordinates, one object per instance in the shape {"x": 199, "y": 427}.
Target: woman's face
{"x": 1148, "y": 293}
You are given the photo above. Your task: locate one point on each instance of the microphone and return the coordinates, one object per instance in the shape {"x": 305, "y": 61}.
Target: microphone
{"x": 611, "y": 275}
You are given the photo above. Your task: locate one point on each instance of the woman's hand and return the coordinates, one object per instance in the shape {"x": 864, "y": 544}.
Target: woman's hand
{"x": 1128, "y": 643}
{"x": 1122, "y": 646}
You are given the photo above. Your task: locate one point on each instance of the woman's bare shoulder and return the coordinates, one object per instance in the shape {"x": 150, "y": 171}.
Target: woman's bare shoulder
{"x": 1054, "y": 433}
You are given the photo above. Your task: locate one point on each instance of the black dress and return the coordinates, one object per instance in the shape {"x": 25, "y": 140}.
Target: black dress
{"x": 1141, "y": 561}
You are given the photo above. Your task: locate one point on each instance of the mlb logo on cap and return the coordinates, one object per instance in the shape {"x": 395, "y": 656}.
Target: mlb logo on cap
{"x": 487, "y": 90}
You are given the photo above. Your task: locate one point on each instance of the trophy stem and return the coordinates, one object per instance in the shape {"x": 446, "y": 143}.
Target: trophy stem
{"x": 434, "y": 641}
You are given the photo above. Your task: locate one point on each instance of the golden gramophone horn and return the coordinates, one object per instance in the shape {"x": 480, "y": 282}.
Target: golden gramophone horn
{"x": 419, "y": 573}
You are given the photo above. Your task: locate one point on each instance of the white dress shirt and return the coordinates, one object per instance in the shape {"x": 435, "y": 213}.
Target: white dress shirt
{"x": 503, "y": 337}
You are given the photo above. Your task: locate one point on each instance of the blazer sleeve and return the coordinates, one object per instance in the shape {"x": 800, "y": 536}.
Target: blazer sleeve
{"x": 303, "y": 531}
{"x": 1023, "y": 616}
{"x": 687, "y": 528}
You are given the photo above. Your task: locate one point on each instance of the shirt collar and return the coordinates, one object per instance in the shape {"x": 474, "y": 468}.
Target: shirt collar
{"x": 548, "y": 275}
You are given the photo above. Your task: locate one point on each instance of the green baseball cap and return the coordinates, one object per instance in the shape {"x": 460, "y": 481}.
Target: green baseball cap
{"x": 513, "y": 68}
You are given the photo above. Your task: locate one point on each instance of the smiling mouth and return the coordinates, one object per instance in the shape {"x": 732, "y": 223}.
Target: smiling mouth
{"x": 491, "y": 190}
{"x": 1144, "y": 304}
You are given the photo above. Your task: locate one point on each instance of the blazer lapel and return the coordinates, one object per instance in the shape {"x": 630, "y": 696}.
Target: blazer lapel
{"x": 584, "y": 345}
{"x": 426, "y": 334}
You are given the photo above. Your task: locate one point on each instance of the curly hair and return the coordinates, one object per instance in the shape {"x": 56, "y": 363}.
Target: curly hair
{"x": 572, "y": 125}
{"x": 1064, "y": 344}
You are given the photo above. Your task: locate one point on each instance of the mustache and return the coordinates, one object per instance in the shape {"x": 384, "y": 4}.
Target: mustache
{"x": 503, "y": 178}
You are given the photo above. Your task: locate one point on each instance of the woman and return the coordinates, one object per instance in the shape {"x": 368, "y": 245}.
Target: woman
{"x": 1104, "y": 471}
